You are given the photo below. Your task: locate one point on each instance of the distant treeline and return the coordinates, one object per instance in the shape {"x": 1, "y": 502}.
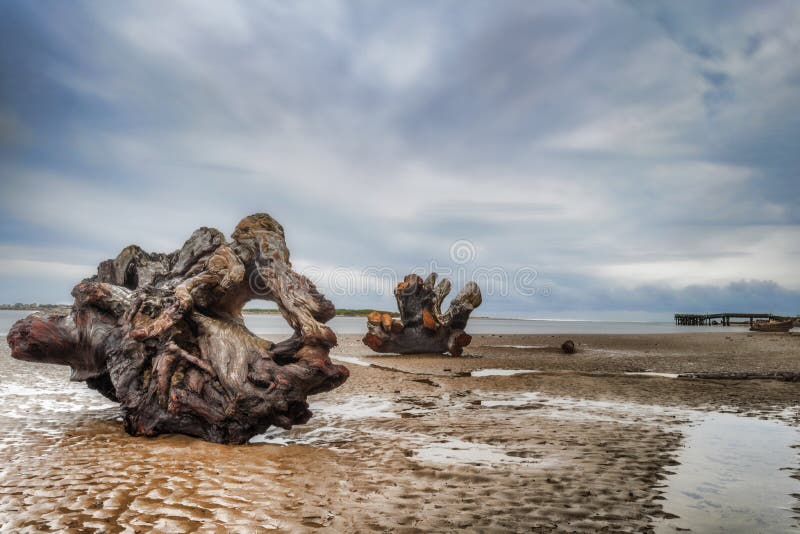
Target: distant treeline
{"x": 346, "y": 312}
{"x": 34, "y": 306}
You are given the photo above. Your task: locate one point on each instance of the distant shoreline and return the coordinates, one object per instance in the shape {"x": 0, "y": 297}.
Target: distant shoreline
{"x": 340, "y": 312}
{"x": 50, "y": 308}
{"x": 66, "y": 308}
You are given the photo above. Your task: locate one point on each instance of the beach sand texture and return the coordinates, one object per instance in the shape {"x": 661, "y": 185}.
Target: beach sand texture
{"x": 408, "y": 444}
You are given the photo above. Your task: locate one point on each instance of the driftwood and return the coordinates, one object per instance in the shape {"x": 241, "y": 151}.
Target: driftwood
{"x": 773, "y": 326}
{"x": 163, "y": 335}
{"x": 783, "y": 376}
{"x": 422, "y": 327}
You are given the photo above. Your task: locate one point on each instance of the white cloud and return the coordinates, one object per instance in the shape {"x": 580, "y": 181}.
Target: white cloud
{"x": 46, "y": 269}
{"x": 583, "y": 139}
{"x": 766, "y": 253}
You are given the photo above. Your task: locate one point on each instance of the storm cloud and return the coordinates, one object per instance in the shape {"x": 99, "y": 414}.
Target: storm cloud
{"x": 639, "y": 158}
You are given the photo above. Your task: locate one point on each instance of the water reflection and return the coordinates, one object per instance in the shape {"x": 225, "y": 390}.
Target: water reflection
{"x": 734, "y": 476}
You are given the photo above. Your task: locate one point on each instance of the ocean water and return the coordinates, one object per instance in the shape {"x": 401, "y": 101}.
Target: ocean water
{"x": 275, "y": 325}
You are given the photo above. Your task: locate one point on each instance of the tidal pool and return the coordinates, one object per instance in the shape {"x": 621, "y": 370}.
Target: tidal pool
{"x": 735, "y": 475}
{"x": 350, "y": 359}
{"x": 502, "y": 372}
{"x": 651, "y": 373}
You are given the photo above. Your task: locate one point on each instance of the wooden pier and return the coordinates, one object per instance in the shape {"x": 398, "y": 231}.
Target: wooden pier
{"x": 721, "y": 319}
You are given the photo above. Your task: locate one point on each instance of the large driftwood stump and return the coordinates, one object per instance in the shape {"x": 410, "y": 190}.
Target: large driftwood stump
{"x": 422, "y": 327}
{"x": 163, "y": 335}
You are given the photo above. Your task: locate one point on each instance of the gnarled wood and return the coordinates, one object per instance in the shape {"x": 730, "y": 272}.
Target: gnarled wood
{"x": 568, "y": 347}
{"x": 784, "y": 376}
{"x": 773, "y": 326}
{"x": 163, "y": 335}
{"x": 422, "y": 327}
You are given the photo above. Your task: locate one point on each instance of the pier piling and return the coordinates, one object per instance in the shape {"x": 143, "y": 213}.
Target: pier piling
{"x": 722, "y": 319}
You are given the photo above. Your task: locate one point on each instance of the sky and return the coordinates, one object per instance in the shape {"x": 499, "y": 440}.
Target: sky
{"x": 579, "y": 159}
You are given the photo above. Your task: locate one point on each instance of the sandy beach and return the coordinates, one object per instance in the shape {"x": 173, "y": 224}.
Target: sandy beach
{"x": 411, "y": 443}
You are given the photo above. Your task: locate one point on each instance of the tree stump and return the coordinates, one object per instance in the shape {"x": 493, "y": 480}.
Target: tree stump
{"x": 163, "y": 335}
{"x": 422, "y": 327}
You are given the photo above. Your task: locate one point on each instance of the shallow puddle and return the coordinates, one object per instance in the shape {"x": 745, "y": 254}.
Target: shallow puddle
{"x": 50, "y": 397}
{"x": 350, "y": 359}
{"x": 357, "y": 407}
{"x": 650, "y": 373}
{"x": 460, "y": 452}
{"x": 502, "y": 372}
{"x": 734, "y": 476}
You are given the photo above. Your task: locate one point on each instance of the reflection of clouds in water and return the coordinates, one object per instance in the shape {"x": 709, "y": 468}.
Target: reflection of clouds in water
{"x": 460, "y": 452}
{"x": 502, "y": 372}
{"x": 50, "y": 397}
{"x": 49, "y": 406}
{"x": 336, "y": 433}
{"x": 323, "y": 436}
{"x": 350, "y": 359}
{"x": 733, "y": 476}
{"x": 582, "y": 409}
{"x": 355, "y": 407}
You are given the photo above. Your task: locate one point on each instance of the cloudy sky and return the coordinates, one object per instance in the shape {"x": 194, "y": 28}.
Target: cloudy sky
{"x": 630, "y": 159}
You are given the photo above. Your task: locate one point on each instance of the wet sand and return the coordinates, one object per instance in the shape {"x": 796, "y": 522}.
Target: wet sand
{"x": 408, "y": 444}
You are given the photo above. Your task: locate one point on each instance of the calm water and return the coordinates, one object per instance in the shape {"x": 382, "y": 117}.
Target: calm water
{"x": 734, "y": 476}
{"x": 274, "y": 324}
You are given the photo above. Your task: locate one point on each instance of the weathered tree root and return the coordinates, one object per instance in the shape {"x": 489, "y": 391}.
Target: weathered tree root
{"x": 163, "y": 335}
{"x": 422, "y": 327}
